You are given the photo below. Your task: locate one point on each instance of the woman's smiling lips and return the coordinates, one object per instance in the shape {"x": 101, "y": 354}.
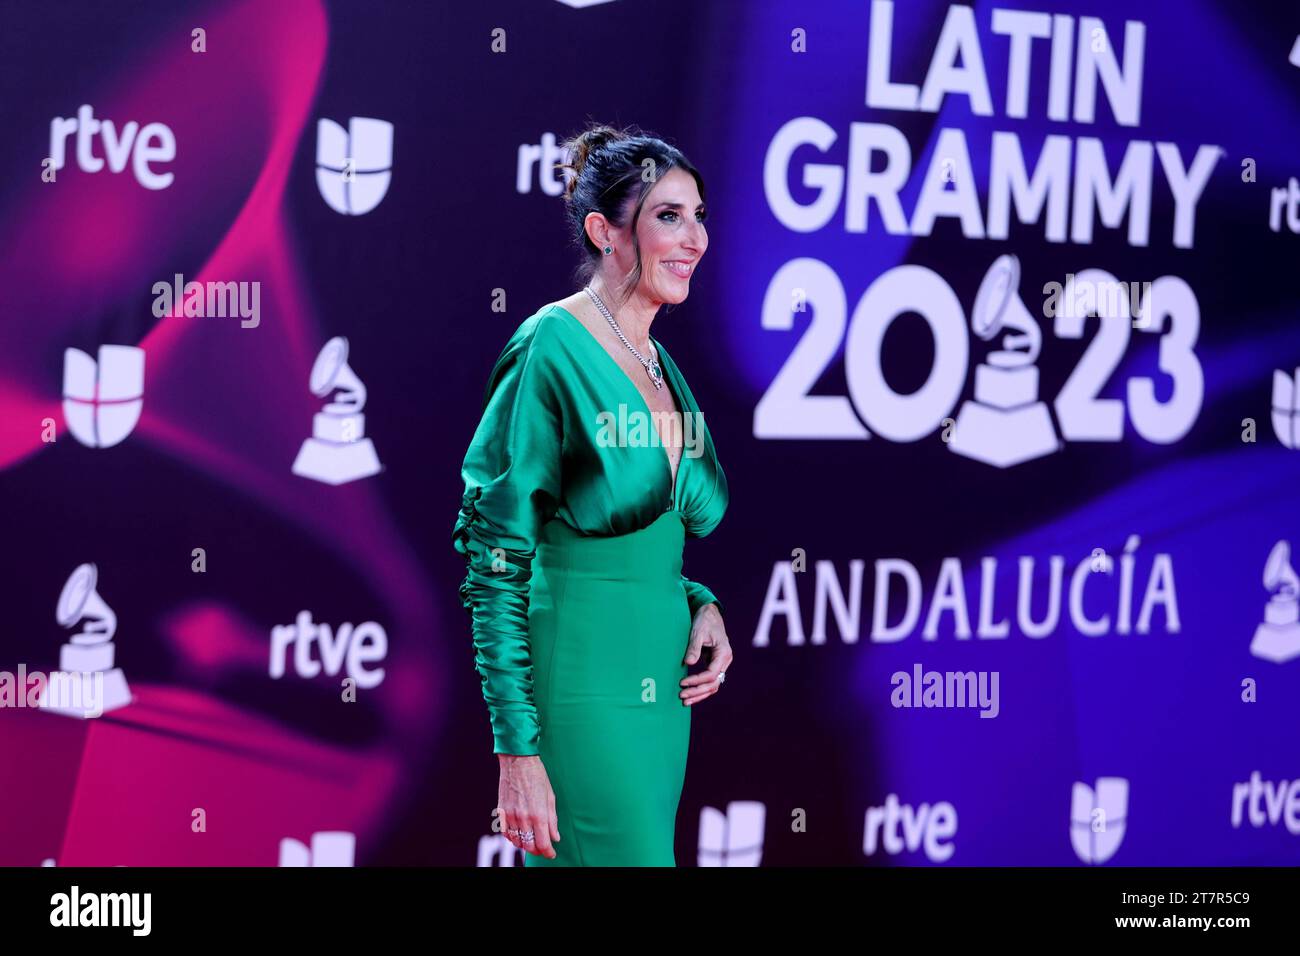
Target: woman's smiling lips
{"x": 680, "y": 267}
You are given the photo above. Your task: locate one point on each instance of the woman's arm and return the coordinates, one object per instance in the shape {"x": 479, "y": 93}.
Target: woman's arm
{"x": 512, "y": 487}
{"x": 697, "y": 595}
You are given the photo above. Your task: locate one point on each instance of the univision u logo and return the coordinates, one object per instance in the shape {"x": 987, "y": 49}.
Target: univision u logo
{"x": 1286, "y": 408}
{"x": 734, "y": 838}
{"x": 102, "y": 400}
{"x": 354, "y": 166}
{"x": 1098, "y": 818}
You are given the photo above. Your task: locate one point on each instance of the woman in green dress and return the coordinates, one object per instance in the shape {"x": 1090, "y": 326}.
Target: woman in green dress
{"x": 589, "y": 468}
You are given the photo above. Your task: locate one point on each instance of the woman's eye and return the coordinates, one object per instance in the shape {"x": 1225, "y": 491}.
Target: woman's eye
{"x": 671, "y": 216}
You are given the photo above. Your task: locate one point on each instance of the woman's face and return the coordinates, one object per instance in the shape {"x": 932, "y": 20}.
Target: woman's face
{"x": 672, "y": 236}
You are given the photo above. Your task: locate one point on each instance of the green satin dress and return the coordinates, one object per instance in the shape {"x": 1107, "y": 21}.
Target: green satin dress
{"x": 573, "y": 533}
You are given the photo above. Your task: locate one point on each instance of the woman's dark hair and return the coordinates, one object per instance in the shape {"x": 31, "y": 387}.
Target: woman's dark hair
{"x": 612, "y": 169}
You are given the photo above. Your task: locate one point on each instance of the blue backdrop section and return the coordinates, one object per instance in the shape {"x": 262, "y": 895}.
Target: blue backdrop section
{"x": 867, "y": 166}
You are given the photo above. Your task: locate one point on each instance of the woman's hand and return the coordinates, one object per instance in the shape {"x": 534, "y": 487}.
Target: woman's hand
{"x": 707, "y": 630}
{"x": 527, "y": 803}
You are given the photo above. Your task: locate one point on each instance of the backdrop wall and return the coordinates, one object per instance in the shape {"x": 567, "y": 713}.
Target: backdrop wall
{"x": 1086, "y": 526}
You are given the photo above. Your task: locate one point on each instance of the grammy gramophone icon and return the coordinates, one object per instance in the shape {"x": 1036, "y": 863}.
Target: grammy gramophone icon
{"x": 1278, "y": 638}
{"x": 86, "y": 683}
{"x": 1006, "y": 423}
{"x": 338, "y": 451}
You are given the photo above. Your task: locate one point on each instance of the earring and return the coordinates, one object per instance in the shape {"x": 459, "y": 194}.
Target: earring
{"x": 608, "y": 250}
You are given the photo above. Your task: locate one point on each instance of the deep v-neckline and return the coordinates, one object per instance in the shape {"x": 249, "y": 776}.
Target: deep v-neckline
{"x": 674, "y": 478}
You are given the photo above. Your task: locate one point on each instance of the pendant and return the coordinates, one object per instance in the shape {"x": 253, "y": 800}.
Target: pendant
{"x": 656, "y": 373}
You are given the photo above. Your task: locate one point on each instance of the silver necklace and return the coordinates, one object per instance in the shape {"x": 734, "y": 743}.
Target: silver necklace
{"x": 651, "y": 366}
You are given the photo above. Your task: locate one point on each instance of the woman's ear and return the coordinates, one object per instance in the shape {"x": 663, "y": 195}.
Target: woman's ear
{"x": 597, "y": 229}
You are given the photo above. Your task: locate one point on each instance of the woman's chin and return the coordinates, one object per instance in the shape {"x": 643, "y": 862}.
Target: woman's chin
{"x": 676, "y": 295}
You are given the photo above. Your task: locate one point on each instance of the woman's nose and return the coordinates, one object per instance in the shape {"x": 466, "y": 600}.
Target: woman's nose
{"x": 698, "y": 238}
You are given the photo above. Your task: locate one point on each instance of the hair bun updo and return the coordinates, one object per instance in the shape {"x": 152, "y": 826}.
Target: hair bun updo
{"x": 580, "y": 148}
{"x": 611, "y": 171}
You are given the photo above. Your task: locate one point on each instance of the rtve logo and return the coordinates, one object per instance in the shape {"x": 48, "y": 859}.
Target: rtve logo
{"x": 927, "y": 827}
{"x": 354, "y": 166}
{"x": 363, "y": 645}
{"x": 495, "y": 850}
{"x": 102, "y": 400}
{"x": 544, "y": 156}
{"x": 155, "y": 143}
{"x": 1264, "y": 803}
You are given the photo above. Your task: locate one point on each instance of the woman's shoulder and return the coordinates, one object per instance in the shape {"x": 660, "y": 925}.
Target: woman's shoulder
{"x": 535, "y": 334}
{"x": 535, "y": 329}
{"x": 540, "y": 343}
{"x": 546, "y": 330}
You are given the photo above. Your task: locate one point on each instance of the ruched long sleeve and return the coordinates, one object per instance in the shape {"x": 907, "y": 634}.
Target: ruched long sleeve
{"x": 512, "y": 487}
